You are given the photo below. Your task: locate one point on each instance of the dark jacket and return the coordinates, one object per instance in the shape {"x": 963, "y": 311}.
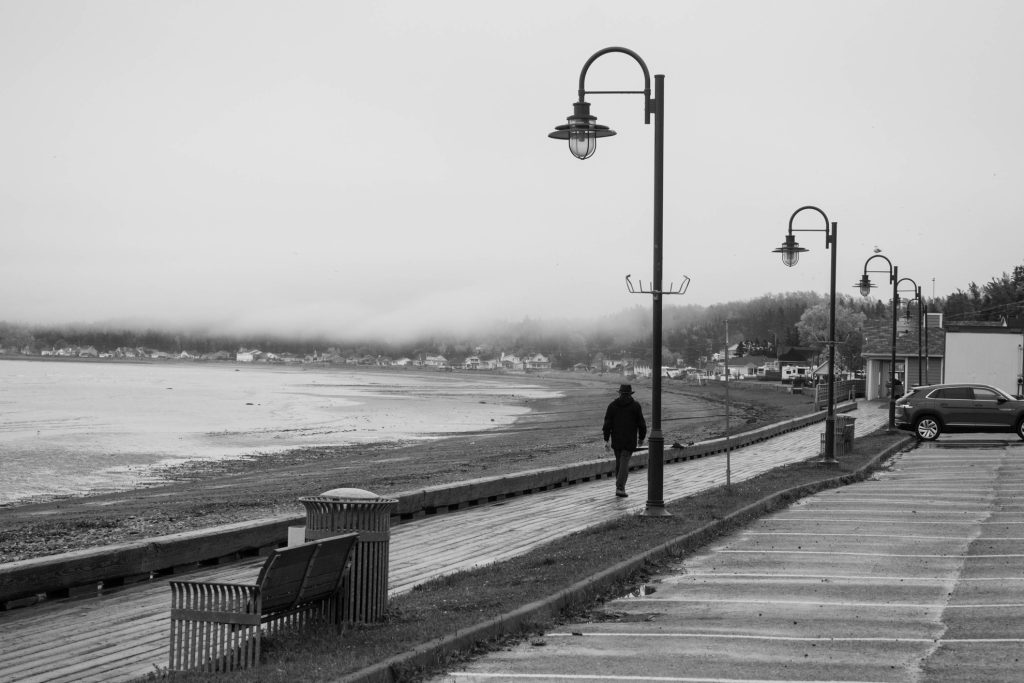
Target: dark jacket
{"x": 624, "y": 423}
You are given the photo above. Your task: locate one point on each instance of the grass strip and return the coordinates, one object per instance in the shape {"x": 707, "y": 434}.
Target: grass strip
{"x": 465, "y": 614}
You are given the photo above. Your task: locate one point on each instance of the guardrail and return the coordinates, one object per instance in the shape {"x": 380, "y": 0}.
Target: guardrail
{"x": 93, "y": 570}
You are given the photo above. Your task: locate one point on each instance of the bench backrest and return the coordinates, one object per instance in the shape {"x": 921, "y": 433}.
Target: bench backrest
{"x": 298, "y": 574}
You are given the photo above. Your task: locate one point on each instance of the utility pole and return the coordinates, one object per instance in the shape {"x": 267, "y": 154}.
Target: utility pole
{"x": 728, "y": 448}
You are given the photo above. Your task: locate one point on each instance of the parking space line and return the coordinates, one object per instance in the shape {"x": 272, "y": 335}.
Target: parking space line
{"x": 945, "y": 556}
{"x": 778, "y": 639}
{"x": 914, "y": 537}
{"x": 860, "y": 577}
{"x": 821, "y": 603}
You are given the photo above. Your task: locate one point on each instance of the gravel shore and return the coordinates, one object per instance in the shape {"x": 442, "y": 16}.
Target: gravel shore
{"x": 557, "y": 431}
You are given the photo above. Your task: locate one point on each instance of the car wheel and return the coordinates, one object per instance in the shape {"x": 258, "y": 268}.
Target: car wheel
{"x": 927, "y": 428}
{"x": 1020, "y": 428}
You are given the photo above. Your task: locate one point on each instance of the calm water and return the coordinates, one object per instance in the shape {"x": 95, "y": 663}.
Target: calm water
{"x": 85, "y": 427}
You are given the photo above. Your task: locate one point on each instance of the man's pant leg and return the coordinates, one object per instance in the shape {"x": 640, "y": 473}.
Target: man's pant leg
{"x": 622, "y": 468}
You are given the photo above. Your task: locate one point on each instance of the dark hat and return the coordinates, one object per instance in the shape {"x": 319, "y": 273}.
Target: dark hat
{"x": 625, "y": 389}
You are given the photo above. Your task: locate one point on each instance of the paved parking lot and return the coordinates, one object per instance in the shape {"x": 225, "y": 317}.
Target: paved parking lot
{"x": 914, "y": 575}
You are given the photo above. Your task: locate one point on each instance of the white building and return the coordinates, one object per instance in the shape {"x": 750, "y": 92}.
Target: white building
{"x": 986, "y": 353}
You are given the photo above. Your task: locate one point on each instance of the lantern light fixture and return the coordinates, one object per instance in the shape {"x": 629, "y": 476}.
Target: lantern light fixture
{"x": 790, "y": 251}
{"x": 582, "y": 131}
{"x": 865, "y": 285}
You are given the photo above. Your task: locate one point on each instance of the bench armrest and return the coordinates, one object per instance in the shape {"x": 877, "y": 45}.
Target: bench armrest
{"x": 214, "y": 626}
{"x": 222, "y": 603}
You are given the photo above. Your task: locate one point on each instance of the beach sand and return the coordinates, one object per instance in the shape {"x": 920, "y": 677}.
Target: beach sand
{"x": 556, "y": 431}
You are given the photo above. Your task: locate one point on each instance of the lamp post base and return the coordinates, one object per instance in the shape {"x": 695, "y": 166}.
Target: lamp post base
{"x": 655, "y": 511}
{"x": 656, "y": 470}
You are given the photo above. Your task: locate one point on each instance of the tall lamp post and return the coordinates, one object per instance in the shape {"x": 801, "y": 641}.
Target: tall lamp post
{"x": 917, "y": 297}
{"x": 927, "y": 353}
{"x": 865, "y": 286}
{"x": 790, "y": 251}
{"x": 582, "y": 131}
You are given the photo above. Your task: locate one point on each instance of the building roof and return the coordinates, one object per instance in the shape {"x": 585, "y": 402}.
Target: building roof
{"x": 878, "y": 340}
{"x": 1004, "y": 326}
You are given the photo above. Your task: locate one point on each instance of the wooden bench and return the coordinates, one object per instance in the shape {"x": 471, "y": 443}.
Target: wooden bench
{"x": 217, "y": 626}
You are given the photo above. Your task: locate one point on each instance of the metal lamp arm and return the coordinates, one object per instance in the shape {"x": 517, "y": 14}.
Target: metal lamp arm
{"x": 646, "y": 92}
{"x": 829, "y": 228}
{"x": 917, "y": 290}
{"x": 890, "y": 271}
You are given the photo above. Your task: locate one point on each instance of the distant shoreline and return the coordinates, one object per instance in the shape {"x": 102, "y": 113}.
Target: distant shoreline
{"x": 319, "y": 366}
{"x": 77, "y": 359}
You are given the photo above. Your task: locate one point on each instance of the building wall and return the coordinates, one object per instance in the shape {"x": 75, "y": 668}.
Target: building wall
{"x": 930, "y": 373}
{"x": 876, "y": 380}
{"x": 985, "y": 357}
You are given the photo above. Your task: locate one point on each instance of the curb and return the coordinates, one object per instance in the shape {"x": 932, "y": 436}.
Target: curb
{"x": 430, "y": 655}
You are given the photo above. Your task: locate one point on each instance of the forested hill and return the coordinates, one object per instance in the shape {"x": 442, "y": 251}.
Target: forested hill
{"x": 689, "y": 332}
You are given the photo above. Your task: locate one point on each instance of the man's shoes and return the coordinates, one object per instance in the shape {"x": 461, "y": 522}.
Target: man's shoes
{"x": 621, "y": 493}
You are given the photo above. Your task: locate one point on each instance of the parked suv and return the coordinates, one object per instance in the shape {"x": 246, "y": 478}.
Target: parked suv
{"x": 929, "y": 411}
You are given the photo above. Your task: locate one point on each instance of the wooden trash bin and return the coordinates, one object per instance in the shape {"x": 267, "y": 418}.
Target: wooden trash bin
{"x": 365, "y": 595}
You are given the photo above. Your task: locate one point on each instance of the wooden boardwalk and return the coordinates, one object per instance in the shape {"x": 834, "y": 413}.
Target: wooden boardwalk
{"x": 122, "y": 636}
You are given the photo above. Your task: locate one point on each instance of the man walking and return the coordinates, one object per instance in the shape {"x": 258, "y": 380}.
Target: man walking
{"x": 624, "y": 424}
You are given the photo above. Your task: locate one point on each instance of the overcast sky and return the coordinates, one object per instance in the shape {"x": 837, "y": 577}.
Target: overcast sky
{"x": 374, "y": 167}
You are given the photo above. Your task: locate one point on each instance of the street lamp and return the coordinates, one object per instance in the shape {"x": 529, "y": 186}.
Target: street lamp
{"x": 582, "y": 132}
{"x": 916, "y": 297}
{"x": 927, "y": 353}
{"x": 865, "y": 286}
{"x": 790, "y": 251}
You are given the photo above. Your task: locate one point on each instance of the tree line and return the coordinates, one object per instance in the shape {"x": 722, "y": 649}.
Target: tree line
{"x": 690, "y": 333}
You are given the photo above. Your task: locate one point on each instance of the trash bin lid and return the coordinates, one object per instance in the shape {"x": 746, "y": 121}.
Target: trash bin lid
{"x": 350, "y": 494}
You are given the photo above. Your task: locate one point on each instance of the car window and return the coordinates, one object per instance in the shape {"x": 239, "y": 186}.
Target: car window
{"x": 954, "y": 392}
{"x": 985, "y": 395}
